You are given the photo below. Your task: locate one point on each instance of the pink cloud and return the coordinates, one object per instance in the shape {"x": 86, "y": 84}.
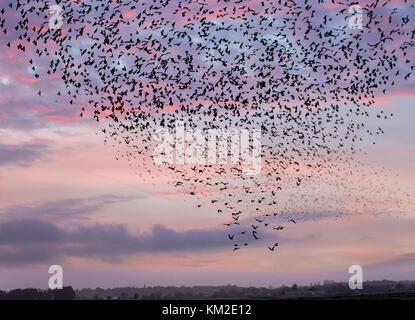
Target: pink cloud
{"x": 129, "y": 14}
{"x": 28, "y": 80}
{"x": 63, "y": 119}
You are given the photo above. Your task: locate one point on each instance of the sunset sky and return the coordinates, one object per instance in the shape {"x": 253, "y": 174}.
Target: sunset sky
{"x": 65, "y": 199}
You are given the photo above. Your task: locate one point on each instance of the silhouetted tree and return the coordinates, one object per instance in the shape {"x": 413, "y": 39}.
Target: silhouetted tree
{"x": 66, "y": 293}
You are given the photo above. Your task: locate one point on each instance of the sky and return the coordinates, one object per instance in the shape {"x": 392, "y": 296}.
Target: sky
{"x": 66, "y": 199}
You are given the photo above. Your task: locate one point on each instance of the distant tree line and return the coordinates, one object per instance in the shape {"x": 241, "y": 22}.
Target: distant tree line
{"x": 66, "y": 293}
{"x": 327, "y": 289}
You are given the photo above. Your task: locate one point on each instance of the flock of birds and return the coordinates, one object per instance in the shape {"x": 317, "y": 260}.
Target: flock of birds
{"x": 294, "y": 69}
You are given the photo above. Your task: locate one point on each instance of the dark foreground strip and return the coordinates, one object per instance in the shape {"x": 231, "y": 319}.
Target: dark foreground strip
{"x": 209, "y": 309}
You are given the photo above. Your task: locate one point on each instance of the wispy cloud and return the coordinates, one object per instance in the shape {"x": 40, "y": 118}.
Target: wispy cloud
{"x": 66, "y": 209}
{"x": 21, "y": 155}
{"x": 29, "y": 241}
